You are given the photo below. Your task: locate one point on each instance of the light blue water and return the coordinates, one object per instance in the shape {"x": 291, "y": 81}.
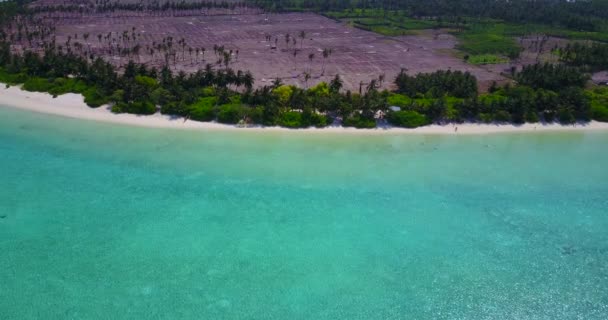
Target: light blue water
{"x": 110, "y": 222}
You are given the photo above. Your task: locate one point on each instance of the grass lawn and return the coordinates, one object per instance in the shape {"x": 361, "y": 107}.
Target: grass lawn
{"x": 487, "y": 59}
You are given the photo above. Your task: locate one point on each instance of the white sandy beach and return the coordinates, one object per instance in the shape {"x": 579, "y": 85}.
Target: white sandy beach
{"x": 73, "y": 106}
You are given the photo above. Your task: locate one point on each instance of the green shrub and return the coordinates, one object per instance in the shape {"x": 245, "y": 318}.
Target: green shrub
{"x": 119, "y": 107}
{"x": 203, "y": 110}
{"x": 137, "y": 107}
{"x": 208, "y": 92}
{"x": 407, "y": 119}
{"x": 399, "y": 100}
{"x": 486, "y": 59}
{"x": 290, "y": 119}
{"x": 142, "y": 107}
{"x": 77, "y": 86}
{"x": 255, "y": 114}
{"x": 230, "y": 113}
{"x": 202, "y": 113}
{"x": 502, "y": 116}
{"x": 599, "y": 113}
{"x": 486, "y": 117}
{"x": 359, "y": 121}
{"x": 174, "y": 108}
{"x": 93, "y": 98}
{"x": 12, "y": 78}
{"x": 146, "y": 81}
{"x": 599, "y": 104}
{"x": 62, "y": 86}
{"x": 565, "y": 115}
{"x": 532, "y": 117}
{"x": 37, "y": 85}
{"x": 310, "y": 118}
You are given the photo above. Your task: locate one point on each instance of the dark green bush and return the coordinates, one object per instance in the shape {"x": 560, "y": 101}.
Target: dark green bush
{"x": 599, "y": 113}
{"x": 486, "y": 117}
{"x": 93, "y": 98}
{"x": 177, "y": 108}
{"x": 255, "y": 115}
{"x": 502, "y": 116}
{"x": 37, "y": 85}
{"x": 290, "y": 119}
{"x": 230, "y": 113}
{"x": 137, "y": 107}
{"x": 407, "y": 119}
{"x": 565, "y": 116}
{"x": 532, "y": 117}
{"x": 359, "y": 121}
{"x": 548, "y": 116}
{"x": 203, "y": 110}
{"x": 310, "y": 118}
{"x": 12, "y": 78}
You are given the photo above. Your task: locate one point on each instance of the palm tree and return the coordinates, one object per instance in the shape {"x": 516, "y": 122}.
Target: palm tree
{"x": 277, "y": 83}
{"x": 136, "y": 51}
{"x": 86, "y": 39}
{"x": 336, "y": 84}
{"x": 326, "y": 54}
{"x": 183, "y": 44}
{"x": 227, "y": 58}
{"x": 248, "y": 80}
{"x": 295, "y": 62}
{"x": 311, "y": 57}
{"x": 287, "y": 39}
{"x": 302, "y": 36}
{"x": 306, "y": 78}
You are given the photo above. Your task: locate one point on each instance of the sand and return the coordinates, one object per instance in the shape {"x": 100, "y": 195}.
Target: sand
{"x": 73, "y": 106}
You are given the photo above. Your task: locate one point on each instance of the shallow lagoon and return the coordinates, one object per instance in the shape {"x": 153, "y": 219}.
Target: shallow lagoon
{"x": 102, "y": 221}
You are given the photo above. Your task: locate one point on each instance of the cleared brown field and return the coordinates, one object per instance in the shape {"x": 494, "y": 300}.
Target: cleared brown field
{"x": 357, "y": 55}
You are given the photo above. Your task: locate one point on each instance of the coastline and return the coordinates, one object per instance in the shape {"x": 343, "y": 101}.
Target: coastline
{"x": 72, "y": 106}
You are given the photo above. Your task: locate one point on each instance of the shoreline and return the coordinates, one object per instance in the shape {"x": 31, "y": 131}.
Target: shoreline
{"x": 72, "y": 105}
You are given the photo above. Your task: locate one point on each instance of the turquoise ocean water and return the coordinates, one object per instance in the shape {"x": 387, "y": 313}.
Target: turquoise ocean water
{"x": 101, "y": 221}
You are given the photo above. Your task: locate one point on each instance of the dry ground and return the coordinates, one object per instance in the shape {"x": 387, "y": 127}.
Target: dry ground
{"x": 358, "y": 55}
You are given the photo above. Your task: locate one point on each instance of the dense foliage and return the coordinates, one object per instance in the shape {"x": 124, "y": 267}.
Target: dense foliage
{"x": 579, "y": 15}
{"x": 551, "y": 77}
{"x": 543, "y": 92}
{"x": 593, "y": 57}
{"x": 111, "y": 6}
{"x": 438, "y": 84}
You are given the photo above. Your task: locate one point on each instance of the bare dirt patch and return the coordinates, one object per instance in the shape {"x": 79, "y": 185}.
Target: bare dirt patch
{"x": 357, "y": 55}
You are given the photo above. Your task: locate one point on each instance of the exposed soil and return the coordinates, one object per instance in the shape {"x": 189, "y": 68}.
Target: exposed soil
{"x": 357, "y": 55}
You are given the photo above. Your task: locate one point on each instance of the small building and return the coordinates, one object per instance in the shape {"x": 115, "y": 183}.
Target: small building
{"x": 394, "y": 108}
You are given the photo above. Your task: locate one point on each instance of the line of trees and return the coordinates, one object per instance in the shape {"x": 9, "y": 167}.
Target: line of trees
{"x": 592, "y": 57}
{"x": 438, "y": 84}
{"x": 542, "y": 92}
{"x": 579, "y": 15}
{"x": 100, "y": 6}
